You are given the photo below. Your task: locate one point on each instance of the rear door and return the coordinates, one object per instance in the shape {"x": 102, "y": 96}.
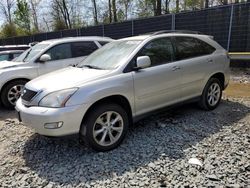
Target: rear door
{"x": 195, "y": 58}
{"x": 158, "y": 85}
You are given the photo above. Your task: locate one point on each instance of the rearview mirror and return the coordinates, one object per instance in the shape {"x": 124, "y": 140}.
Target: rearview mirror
{"x": 143, "y": 62}
{"x": 44, "y": 58}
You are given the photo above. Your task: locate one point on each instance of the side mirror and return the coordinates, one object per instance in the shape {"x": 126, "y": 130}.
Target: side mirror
{"x": 44, "y": 58}
{"x": 142, "y": 62}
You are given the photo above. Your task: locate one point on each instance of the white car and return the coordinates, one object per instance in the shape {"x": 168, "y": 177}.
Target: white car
{"x": 122, "y": 82}
{"x": 42, "y": 58}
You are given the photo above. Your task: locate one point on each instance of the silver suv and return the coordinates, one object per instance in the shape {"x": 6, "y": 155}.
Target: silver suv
{"x": 121, "y": 82}
{"x": 44, "y": 57}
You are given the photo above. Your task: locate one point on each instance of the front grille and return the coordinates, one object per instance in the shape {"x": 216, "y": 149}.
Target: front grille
{"x": 28, "y": 95}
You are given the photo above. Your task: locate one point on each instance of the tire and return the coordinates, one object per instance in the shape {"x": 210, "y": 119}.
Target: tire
{"x": 97, "y": 120}
{"x": 6, "y": 96}
{"x": 211, "y": 95}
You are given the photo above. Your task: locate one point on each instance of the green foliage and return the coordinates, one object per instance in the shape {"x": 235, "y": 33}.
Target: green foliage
{"x": 22, "y": 17}
{"x": 145, "y": 8}
{"x": 8, "y": 30}
{"x": 59, "y": 25}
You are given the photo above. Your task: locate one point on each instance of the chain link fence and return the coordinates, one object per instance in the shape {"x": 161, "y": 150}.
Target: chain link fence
{"x": 230, "y": 26}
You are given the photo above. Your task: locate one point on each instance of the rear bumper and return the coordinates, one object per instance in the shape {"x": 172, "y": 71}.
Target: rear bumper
{"x": 36, "y": 118}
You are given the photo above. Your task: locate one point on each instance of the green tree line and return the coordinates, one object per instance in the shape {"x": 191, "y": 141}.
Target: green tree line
{"x": 26, "y": 17}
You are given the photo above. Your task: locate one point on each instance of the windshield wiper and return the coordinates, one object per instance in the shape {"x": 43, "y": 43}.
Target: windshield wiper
{"x": 93, "y": 67}
{"x": 26, "y": 55}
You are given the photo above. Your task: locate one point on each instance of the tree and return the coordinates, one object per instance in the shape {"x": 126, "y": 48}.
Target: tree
{"x": 95, "y": 12}
{"x": 158, "y": 8}
{"x": 6, "y": 7}
{"x": 177, "y": 4}
{"x": 110, "y": 12}
{"x": 34, "y": 6}
{"x": 114, "y": 11}
{"x": 9, "y": 30}
{"x": 60, "y": 11}
{"x": 206, "y": 3}
{"x": 167, "y": 2}
{"x": 126, "y": 4}
{"x": 22, "y": 16}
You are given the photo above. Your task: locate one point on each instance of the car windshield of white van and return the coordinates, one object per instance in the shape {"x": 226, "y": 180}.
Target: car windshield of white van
{"x": 110, "y": 55}
{"x": 30, "y": 53}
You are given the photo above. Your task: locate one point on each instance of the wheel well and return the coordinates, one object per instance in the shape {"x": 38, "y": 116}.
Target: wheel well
{"x": 117, "y": 99}
{"x": 24, "y": 79}
{"x": 220, "y": 76}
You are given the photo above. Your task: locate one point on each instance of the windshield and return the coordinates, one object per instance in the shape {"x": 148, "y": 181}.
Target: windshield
{"x": 30, "y": 53}
{"x": 111, "y": 55}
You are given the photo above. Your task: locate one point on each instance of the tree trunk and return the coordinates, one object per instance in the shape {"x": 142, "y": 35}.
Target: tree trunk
{"x": 167, "y": 7}
{"x": 110, "y": 12}
{"x": 34, "y": 14}
{"x": 177, "y": 6}
{"x": 158, "y": 7}
{"x": 114, "y": 10}
{"x": 95, "y": 12}
{"x": 206, "y": 3}
{"x": 67, "y": 13}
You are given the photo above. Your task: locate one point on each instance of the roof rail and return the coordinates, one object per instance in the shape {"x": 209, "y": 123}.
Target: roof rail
{"x": 177, "y": 31}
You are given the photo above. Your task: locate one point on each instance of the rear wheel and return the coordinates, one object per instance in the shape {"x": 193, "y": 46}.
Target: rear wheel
{"x": 11, "y": 92}
{"x": 105, "y": 127}
{"x": 211, "y": 95}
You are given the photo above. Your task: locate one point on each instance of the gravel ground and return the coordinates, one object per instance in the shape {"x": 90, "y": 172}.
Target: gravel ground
{"x": 155, "y": 152}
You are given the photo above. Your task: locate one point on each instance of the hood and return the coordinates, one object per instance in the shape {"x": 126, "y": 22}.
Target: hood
{"x": 66, "y": 78}
{"x": 9, "y": 64}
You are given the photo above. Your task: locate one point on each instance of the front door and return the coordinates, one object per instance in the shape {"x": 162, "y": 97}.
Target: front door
{"x": 158, "y": 85}
{"x": 61, "y": 57}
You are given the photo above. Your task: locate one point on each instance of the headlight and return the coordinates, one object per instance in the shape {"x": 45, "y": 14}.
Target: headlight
{"x": 57, "y": 99}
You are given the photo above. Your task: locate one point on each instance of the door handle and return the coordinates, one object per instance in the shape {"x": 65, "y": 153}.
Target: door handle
{"x": 175, "y": 68}
{"x": 209, "y": 60}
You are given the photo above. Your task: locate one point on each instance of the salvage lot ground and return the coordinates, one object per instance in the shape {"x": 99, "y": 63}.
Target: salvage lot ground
{"x": 155, "y": 152}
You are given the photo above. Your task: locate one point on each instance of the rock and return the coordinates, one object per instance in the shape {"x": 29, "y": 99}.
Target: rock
{"x": 195, "y": 161}
{"x": 213, "y": 177}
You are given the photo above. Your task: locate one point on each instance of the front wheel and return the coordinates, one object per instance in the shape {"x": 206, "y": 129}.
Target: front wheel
{"x": 211, "y": 95}
{"x": 11, "y": 93}
{"x": 105, "y": 127}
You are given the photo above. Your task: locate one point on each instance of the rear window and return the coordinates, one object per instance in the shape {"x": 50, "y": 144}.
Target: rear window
{"x": 83, "y": 48}
{"x": 188, "y": 47}
{"x": 4, "y": 57}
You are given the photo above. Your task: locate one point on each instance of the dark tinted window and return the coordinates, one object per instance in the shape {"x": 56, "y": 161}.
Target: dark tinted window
{"x": 103, "y": 42}
{"x": 188, "y": 47}
{"x": 160, "y": 51}
{"x": 83, "y": 48}
{"x": 61, "y": 51}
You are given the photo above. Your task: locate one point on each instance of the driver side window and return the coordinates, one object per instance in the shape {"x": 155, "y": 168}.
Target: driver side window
{"x": 160, "y": 51}
{"x": 61, "y": 51}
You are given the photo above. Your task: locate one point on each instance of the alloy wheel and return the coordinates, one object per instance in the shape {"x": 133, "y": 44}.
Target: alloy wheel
{"x": 108, "y": 128}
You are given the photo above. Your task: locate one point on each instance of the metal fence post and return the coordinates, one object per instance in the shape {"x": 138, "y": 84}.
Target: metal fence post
{"x": 103, "y": 30}
{"x": 230, "y": 27}
{"x": 173, "y": 22}
{"x": 132, "y": 27}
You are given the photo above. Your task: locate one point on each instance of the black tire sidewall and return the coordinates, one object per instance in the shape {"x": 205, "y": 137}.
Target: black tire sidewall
{"x": 87, "y": 126}
{"x": 4, "y": 93}
{"x": 205, "y": 93}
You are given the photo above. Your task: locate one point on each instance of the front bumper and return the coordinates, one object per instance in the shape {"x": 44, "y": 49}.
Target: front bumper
{"x": 36, "y": 117}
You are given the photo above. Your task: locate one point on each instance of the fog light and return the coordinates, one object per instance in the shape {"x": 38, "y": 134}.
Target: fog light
{"x": 55, "y": 125}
